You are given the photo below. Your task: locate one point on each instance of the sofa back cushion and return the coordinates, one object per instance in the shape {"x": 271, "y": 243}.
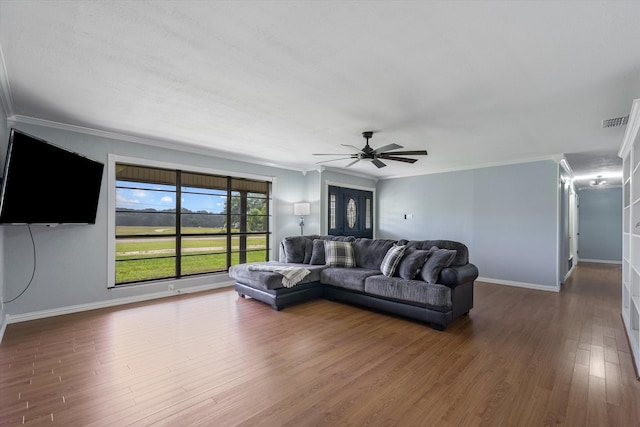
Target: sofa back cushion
{"x": 317, "y": 254}
{"x": 462, "y": 252}
{"x": 369, "y": 253}
{"x": 298, "y": 249}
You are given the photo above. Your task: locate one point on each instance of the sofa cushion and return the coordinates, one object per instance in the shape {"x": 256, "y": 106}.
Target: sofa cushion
{"x": 308, "y": 251}
{"x": 338, "y": 254}
{"x": 439, "y": 259}
{"x": 299, "y": 249}
{"x": 462, "y": 252}
{"x": 296, "y": 247}
{"x": 391, "y": 260}
{"x": 369, "y": 253}
{"x": 317, "y": 253}
{"x": 415, "y": 291}
{"x": 411, "y": 262}
{"x": 347, "y": 278}
{"x": 269, "y": 280}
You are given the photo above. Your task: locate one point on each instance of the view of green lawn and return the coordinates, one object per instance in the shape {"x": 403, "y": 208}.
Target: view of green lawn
{"x": 147, "y": 258}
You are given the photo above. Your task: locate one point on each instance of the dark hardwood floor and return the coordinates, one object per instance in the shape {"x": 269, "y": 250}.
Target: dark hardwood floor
{"x": 522, "y": 358}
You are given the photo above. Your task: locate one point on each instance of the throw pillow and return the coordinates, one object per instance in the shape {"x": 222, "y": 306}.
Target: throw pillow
{"x": 338, "y": 254}
{"x": 308, "y": 251}
{"x": 294, "y": 248}
{"x": 439, "y": 259}
{"x": 391, "y": 260}
{"x": 411, "y": 263}
{"x": 317, "y": 254}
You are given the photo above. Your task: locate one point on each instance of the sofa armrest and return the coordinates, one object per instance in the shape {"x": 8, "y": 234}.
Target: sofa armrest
{"x": 452, "y": 276}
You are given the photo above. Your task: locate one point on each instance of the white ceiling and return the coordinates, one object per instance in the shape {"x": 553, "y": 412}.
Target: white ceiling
{"x": 475, "y": 83}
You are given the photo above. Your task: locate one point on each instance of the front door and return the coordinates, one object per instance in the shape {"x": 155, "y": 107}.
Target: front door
{"x": 350, "y": 212}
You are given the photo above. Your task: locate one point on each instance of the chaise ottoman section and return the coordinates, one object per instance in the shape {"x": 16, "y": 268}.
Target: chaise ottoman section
{"x": 266, "y": 280}
{"x": 267, "y": 287}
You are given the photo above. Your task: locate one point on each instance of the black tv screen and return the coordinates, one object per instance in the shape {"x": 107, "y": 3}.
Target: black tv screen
{"x": 47, "y": 184}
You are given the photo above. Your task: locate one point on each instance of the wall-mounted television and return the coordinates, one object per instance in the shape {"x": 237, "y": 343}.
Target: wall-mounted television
{"x": 47, "y": 184}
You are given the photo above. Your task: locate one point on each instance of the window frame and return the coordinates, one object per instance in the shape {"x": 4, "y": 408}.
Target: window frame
{"x": 111, "y": 220}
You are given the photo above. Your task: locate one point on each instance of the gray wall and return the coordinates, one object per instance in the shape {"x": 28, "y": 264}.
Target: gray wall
{"x": 72, "y": 259}
{"x": 506, "y": 215}
{"x": 600, "y": 225}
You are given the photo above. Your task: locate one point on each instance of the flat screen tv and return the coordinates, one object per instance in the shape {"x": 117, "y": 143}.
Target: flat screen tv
{"x": 47, "y": 184}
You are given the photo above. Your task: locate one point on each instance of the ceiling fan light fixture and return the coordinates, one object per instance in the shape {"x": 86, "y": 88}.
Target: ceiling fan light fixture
{"x": 598, "y": 181}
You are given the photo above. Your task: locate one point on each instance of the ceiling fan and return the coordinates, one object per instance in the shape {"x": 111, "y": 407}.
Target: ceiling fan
{"x": 368, "y": 153}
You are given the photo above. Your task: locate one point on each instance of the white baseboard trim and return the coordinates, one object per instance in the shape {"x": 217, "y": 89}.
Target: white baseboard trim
{"x": 600, "y": 261}
{"x": 519, "y": 284}
{"x": 109, "y": 303}
{"x": 3, "y": 327}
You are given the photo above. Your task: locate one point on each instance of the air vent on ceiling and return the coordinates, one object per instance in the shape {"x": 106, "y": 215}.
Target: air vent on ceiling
{"x": 618, "y": 121}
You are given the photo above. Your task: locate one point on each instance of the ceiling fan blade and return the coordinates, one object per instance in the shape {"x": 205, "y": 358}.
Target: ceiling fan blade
{"x": 378, "y": 163}
{"x": 400, "y": 159}
{"x": 352, "y": 163}
{"x": 411, "y": 153}
{"x": 387, "y": 148}
{"x": 331, "y": 154}
{"x": 333, "y": 160}
{"x": 352, "y": 146}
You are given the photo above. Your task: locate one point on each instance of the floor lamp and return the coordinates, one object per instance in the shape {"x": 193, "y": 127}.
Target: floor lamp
{"x": 301, "y": 209}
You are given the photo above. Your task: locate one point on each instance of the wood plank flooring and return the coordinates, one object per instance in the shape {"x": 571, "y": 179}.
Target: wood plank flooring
{"x": 522, "y": 358}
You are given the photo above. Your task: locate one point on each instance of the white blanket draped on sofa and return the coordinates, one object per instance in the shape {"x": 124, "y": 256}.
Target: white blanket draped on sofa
{"x": 291, "y": 276}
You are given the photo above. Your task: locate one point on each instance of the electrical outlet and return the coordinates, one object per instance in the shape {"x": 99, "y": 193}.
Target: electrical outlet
{"x": 170, "y": 287}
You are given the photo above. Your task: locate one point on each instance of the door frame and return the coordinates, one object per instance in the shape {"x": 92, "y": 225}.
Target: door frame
{"x": 324, "y": 203}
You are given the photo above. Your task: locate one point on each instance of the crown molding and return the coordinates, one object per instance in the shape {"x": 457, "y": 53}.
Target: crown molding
{"x": 480, "y": 166}
{"x": 195, "y": 149}
{"x": 599, "y": 188}
{"x": 186, "y": 147}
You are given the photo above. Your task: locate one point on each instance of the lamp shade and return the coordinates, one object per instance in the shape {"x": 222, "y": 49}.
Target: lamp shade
{"x": 301, "y": 208}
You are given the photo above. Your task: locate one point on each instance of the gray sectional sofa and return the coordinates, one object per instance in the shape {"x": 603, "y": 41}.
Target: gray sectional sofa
{"x": 426, "y": 280}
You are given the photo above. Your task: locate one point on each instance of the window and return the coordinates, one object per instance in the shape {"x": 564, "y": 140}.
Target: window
{"x": 332, "y": 211}
{"x": 351, "y": 213}
{"x": 172, "y": 223}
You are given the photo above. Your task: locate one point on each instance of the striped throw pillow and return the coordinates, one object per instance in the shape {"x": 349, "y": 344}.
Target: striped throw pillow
{"x": 391, "y": 260}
